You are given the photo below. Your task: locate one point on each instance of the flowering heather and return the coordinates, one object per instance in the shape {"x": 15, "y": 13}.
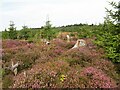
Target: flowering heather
{"x": 107, "y": 67}
{"x": 57, "y": 65}
{"x": 63, "y": 44}
{"x": 97, "y": 78}
{"x": 42, "y": 75}
{"x": 12, "y": 43}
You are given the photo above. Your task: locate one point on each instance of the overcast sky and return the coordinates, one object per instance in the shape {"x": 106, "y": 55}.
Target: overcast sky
{"x": 61, "y": 12}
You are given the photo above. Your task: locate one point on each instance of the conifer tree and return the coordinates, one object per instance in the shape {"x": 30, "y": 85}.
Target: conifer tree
{"x": 109, "y": 36}
{"x": 12, "y": 31}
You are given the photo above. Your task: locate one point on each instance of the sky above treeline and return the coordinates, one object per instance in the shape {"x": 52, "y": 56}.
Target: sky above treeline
{"x": 33, "y": 13}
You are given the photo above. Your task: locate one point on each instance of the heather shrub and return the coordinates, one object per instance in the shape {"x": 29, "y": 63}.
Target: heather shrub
{"x": 58, "y": 66}
{"x": 58, "y": 74}
{"x": 26, "y": 55}
{"x": 74, "y": 80}
{"x": 26, "y": 64}
{"x": 107, "y": 67}
{"x": 79, "y": 62}
{"x": 70, "y": 44}
{"x": 97, "y": 78}
{"x": 6, "y": 72}
{"x": 6, "y": 57}
{"x": 7, "y": 81}
{"x": 47, "y": 79}
{"x": 58, "y": 47}
{"x": 12, "y": 43}
{"x": 74, "y": 57}
{"x": 26, "y": 59}
{"x": 63, "y": 43}
{"x": 59, "y": 42}
{"x": 47, "y": 75}
{"x": 53, "y": 51}
{"x": 83, "y": 52}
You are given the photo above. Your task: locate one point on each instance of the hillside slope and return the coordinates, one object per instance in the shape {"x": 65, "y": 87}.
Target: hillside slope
{"x": 57, "y": 65}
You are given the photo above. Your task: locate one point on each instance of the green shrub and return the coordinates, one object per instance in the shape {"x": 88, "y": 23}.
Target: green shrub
{"x": 7, "y": 81}
{"x": 30, "y": 41}
{"x": 110, "y": 42}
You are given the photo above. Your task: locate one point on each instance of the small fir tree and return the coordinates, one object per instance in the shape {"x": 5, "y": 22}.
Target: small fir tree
{"x": 12, "y": 31}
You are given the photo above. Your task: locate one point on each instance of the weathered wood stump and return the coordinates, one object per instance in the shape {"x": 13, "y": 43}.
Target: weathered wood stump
{"x": 68, "y": 38}
{"x": 79, "y": 43}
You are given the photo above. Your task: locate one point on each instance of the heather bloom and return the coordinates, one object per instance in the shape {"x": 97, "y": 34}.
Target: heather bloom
{"x": 13, "y": 43}
{"x": 36, "y": 84}
{"x": 98, "y": 78}
{"x": 56, "y": 65}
